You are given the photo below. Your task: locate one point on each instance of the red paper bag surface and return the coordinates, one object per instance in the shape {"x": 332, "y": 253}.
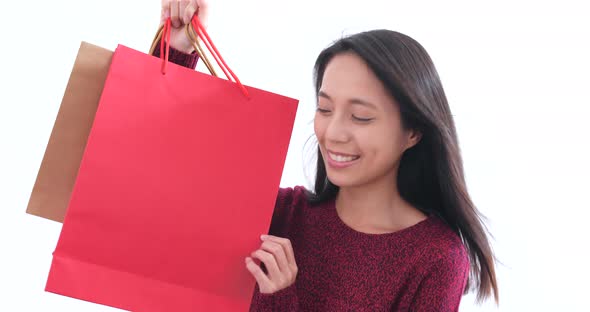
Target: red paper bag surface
{"x": 178, "y": 180}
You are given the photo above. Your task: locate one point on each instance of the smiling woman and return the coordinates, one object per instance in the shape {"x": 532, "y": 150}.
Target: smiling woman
{"x": 403, "y": 163}
{"x": 389, "y": 225}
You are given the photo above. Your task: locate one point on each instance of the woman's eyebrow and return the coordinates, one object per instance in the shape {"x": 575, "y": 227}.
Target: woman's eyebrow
{"x": 356, "y": 101}
{"x": 324, "y": 95}
{"x": 362, "y": 102}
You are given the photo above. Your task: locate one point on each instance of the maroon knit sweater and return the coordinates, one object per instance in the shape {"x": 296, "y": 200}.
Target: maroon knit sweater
{"x": 421, "y": 268}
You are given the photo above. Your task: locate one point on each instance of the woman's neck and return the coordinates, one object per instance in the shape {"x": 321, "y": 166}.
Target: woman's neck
{"x": 376, "y": 208}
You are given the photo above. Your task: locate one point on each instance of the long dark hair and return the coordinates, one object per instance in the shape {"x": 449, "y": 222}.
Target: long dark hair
{"x": 430, "y": 174}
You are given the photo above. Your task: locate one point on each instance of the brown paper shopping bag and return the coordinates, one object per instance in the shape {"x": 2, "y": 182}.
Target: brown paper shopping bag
{"x": 59, "y": 168}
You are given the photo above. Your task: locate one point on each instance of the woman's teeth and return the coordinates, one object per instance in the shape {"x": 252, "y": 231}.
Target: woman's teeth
{"x": 340, "y": 158}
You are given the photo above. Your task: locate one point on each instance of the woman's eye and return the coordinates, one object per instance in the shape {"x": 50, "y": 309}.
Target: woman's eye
{"x": 323, "y": 111}
{"x": 362, "y": 119}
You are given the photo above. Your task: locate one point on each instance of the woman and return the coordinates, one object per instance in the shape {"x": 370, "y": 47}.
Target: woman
{"x": 389, "y": 225}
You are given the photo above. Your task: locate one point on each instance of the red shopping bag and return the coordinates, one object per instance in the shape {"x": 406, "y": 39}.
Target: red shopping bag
{"x": 177, "y": 182}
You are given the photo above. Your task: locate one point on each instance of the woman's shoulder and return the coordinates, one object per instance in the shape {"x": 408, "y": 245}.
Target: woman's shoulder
{"x": 292, "y": 196}
{"x": 290, "y": 201}
{"x": 441, "y": 243}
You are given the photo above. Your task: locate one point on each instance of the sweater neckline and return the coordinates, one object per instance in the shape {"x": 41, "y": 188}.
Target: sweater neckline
{"x": 347, "y": 229}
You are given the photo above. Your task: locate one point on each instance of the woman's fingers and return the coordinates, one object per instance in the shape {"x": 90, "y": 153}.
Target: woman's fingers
{"x": 279, "y": 254}
{"x": 269, "y": 262}
{"x": 287, "y": 247}
{"x": 189, "y": 10}
{"x": 203, "y": 11}
{"x": 261, "y": 278}
{"x": 175, "y": 13}
{"x": 181, "y": 12}
{"x": 165, "y": 13}
{"x": 278, "y": 257}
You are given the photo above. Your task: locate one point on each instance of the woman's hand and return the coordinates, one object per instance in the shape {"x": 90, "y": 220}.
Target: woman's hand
{"x": 277, "y": 255}
{"x": 180, "y": 13}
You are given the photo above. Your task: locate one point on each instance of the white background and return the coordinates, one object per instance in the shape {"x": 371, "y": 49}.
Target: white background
{"x": 515, "y": 72}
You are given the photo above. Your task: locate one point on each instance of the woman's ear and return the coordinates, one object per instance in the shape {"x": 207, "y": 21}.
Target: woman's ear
{"x": 414, "y": 136}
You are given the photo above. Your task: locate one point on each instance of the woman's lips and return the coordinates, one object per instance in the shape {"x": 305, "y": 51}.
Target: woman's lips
{"x": 341, "y": 160}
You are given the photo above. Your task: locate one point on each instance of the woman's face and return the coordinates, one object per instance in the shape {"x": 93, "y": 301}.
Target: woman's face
{"x": 358, "y": 125}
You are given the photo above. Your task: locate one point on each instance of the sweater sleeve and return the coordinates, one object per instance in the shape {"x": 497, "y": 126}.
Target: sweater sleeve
{"x": 285, "y": 299}
{"x": 443, "y": 286}
{"x": 282, "y": 300}
{"x": 180, "y": 58}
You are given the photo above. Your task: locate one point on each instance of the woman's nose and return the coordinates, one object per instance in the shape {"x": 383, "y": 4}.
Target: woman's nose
{"x": 337, "y": 130}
